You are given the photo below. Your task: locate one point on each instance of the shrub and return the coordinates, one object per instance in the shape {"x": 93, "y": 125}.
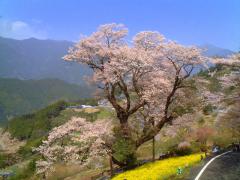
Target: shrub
{"x": 124, "y": 151}
{"x": 26, "y": 150}
{"x": 124, "y": 148}
{"x": 3, "y": 159}
{"x": 184, "y": 148}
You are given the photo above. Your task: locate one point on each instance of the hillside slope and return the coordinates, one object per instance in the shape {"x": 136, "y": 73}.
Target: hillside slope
{"x": 24, "y": 96}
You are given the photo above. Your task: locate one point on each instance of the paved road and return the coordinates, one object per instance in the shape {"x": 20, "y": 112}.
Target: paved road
{"x": 226, "y": 167}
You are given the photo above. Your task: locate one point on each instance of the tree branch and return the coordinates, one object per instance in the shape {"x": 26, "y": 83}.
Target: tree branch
{"x": 124, "y": 88}
{"x": 136, "y": 107}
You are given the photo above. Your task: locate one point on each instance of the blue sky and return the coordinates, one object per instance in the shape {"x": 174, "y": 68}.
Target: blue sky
{"x": 186, "y": 21}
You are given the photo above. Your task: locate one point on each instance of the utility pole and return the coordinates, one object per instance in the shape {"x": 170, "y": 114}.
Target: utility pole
{"x": 111, "y": 165}
{"x": 153, "y": 144}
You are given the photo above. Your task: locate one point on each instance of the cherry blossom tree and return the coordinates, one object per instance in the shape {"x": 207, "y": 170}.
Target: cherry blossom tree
{"x": 145, "y": 75}
{"x": 233, "y": 60}
{"x": 224, "y": 99}
{"x": 228, "y": 80}
{"x": 229, "y": 121}
{"x": 85, "y": 142}
{"x": 228, "y": 117}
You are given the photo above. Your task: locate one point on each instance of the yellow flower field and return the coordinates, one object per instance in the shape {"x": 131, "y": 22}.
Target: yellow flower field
{"x": 160, "y": 170}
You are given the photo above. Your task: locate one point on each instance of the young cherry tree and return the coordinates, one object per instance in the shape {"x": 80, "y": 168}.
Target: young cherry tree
{"x": 233, "y": 60}
{"x": 76, "y": 141}
{"x": 144, "y": 76}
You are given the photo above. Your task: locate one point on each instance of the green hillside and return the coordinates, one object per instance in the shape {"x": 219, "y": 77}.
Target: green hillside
{"x": 38, "y": 124}
{"x": 19, "y": 97}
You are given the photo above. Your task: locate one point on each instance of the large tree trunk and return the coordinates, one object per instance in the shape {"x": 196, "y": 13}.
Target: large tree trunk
{"x": 152, "y": 133}
{"x": 123, "y": 118}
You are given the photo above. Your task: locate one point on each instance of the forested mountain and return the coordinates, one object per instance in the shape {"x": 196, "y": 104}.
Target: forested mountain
{"x": 24, "y": 96}
{"x": 38, "y": 59}
{"x": 211, "y": 51}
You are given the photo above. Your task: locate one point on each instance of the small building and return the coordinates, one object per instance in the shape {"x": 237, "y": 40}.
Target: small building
{"x": 80, "y": 106}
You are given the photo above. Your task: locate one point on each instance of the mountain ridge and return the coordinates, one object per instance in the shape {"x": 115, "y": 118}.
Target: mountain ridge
{"x": 39, "y": 59}
{"x": 211, "y": 50}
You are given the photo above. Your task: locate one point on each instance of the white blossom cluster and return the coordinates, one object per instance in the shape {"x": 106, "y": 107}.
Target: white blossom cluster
{"x": 84, "y": 142}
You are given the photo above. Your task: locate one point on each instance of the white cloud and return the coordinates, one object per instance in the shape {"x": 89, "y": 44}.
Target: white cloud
{"x": 19, "y": 25}
{"x": 20, "y": 30}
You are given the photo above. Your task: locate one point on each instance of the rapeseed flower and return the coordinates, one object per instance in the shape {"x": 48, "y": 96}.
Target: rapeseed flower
{"x": 160, "y": 170}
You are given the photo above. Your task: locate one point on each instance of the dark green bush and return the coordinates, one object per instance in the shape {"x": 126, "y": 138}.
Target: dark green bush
{"x": 183, "y": 148}
{"x": 124, "y": 149}
{"x": 27, "y": 149}
{"x": 183, "y": 151}
{"x": 3, "y": 159}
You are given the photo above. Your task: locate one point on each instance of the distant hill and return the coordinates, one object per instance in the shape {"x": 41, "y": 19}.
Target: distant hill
{"x": 18, "y": 97}
{"x": 211, "y": 51}
{"x": 38, "y": 59}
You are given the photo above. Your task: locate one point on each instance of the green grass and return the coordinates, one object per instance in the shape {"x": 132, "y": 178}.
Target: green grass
{"x": 105, "y": 113}
{"x": 75, "y": 172}
{"x": 91, "y": 114}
